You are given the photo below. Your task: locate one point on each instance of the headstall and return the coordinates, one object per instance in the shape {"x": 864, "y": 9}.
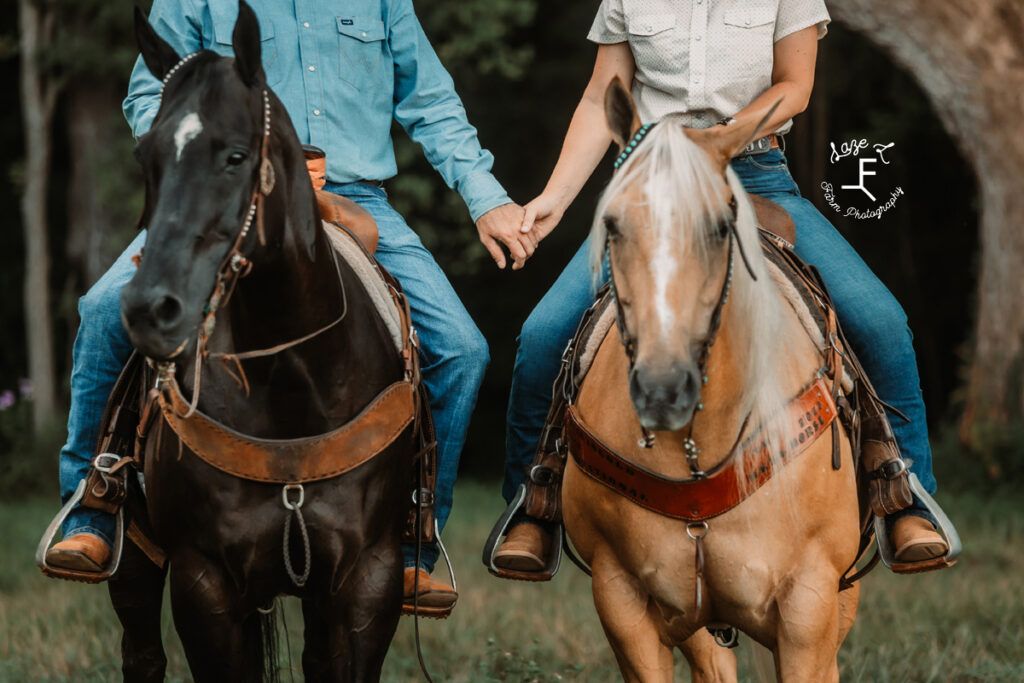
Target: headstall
{"x": 647, "y": 439}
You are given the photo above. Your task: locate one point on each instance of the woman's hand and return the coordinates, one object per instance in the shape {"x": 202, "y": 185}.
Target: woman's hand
{"x": 541, "y": 217}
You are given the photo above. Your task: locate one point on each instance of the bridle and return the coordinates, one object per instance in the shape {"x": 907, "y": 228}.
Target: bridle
{"x": 235, "y": 266}
{"x": 715, "y": 321}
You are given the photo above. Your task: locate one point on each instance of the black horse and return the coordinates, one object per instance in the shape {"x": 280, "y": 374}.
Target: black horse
{"x": 206, "y": 162}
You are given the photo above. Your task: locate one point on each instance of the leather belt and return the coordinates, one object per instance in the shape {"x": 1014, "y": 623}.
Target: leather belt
{"x": 761, "y": 145}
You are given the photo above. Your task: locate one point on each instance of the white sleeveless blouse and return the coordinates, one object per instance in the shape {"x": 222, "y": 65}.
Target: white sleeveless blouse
{"x": 705, "y": 59}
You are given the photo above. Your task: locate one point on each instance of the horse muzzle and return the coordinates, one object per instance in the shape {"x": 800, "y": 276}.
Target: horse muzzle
{"x": 155, "y": 320}
{"x": 665, "y": 399}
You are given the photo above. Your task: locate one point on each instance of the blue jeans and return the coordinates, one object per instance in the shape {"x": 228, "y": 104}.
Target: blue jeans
{"x": 454, "y": 358}
{"x": 874, "y": 323}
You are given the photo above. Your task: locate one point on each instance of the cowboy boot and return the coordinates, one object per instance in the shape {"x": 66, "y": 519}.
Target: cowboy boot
{"x": 914, "y": 539}
{"x": 84, "y": 552}
{"x": 525, "y": 549}
{"x": 436, "y": 598}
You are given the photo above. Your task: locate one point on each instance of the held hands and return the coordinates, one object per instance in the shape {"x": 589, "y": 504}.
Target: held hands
{"x": 541, "y": 216}
{"x": 503, "y": 225}
{"x": 518, "y": 228}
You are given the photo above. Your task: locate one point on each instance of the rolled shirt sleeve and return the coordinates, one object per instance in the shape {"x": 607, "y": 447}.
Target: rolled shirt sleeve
{"x": 428, "y": 108}
{"x": 609, "y": 25}
{"x": 177, "y": 22}
{"x": 795, "y": 15}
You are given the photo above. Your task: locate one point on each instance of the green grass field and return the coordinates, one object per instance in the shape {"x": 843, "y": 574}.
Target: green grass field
{"x": 962, "y": 624}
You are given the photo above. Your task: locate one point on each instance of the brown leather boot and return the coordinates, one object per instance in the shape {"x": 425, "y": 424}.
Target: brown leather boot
{"x": 914, "y": 539}
{"x": 436, "y": 598}
{"x": 84, "y": 552}
{"x": 525, "y": 549}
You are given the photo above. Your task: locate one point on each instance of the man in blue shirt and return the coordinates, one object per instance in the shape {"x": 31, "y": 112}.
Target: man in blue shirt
{"x": 343, "y": 75}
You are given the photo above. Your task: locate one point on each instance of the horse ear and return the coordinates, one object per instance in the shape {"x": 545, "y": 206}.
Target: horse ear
{"x": 620, "y": 111}
{"x": 246, "y": 42}
{"x": 157, "y": 53}
{"x": 725, "y": 142}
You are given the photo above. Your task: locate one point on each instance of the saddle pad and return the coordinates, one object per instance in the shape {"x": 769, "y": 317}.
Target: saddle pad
{"x": 592, "y": 336}
{"x": 801, "y": 300}
{"x": 366, "y": 269}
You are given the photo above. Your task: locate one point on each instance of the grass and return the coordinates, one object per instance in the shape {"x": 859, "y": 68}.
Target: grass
{"x": 962, "y": 624}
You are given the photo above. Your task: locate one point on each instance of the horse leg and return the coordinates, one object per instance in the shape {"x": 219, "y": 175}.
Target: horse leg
{"x": 349, "y": 632}
{"x": 210, "y": 631}
{"x": 316, "y": 660}
{"x": 626, "y": 615}
{"x": 807, "y": 637}
{"x": 847, "y": 611}
{"x": 709, "y": 662}
{"x": 136, "y": 593}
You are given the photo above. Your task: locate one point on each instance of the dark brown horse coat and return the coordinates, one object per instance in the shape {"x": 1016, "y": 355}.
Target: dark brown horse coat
{"x": 223, "y": 534}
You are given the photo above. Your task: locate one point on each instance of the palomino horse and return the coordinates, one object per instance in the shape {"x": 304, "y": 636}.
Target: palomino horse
{"x": 712, "y": 356}
{"x": 221, "y": 158}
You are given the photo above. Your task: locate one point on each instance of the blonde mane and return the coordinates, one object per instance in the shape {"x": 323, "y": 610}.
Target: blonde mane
{"x": 682, "y": 193}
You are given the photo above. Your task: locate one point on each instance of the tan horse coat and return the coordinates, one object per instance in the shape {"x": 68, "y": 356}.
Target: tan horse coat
{"x": 772, "y": 564}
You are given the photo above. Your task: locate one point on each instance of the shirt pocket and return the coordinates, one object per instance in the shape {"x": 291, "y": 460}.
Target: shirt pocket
{"x": 224, "y": 27}
{"x": 749, "y": 31}
{"x": 362, "y": 46}
{"x": 655, "y": 45}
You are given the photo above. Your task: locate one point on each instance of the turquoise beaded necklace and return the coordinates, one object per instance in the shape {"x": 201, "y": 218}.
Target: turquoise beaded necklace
{"x": 632, "y": 145}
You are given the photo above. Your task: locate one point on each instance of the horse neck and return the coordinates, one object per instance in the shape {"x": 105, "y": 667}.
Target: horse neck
{"x": 726, "y": 418}
{"x": 295, "y": 288}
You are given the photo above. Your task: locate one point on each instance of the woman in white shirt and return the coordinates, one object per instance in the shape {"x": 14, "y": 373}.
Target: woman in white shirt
{"x": 711, "y": 62}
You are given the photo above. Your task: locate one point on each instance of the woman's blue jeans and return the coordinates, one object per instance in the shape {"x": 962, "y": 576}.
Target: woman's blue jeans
{"x": 874, "y": 323}
{"x": 454, "y": 357}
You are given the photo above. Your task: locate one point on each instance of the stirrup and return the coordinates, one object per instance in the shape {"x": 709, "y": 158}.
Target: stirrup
{"x": 74, "y": 574}
{"x": 945, "y": 528}
{"x": 409, "y": 609}
{"x": 499, "y": 531}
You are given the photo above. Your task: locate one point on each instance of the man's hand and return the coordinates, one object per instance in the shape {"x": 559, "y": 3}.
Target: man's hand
{"x": 503, "y": 225}
{"x": 541, "y": 216}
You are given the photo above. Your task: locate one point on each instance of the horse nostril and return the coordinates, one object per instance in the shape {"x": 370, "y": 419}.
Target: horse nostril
{"x": 690, "y": 389}
{"x": 167, "y": 310}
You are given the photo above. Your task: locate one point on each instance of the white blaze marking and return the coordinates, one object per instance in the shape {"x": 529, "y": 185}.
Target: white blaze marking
{"x": 664, "y": 267}
{"x": 188, "y": 128}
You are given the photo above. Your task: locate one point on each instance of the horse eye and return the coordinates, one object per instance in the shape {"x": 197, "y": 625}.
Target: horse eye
{"x": 236, "y": 158}
{"x": 611, "y": 227}
{"x": 722, "y": 231}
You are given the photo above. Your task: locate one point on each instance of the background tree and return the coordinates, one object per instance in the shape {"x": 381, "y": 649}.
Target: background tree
{"x": 39, "y": 89}
{"x": 968, "y": 57}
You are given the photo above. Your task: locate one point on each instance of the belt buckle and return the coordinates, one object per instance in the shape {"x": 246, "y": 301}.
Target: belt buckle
{"x": 760, "y": 145}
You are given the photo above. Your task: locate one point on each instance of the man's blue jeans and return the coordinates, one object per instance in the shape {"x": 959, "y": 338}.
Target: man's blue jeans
{"x": 874, "y": 323}
{"x": 454, "y": 357}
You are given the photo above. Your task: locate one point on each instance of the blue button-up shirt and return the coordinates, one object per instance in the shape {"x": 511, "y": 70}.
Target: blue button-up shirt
{"x": 343, "y": 70}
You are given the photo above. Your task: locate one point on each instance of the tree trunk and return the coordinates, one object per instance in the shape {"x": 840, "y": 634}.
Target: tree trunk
{"x": 38, "y": 97}
{"x": 968, "y": 57}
